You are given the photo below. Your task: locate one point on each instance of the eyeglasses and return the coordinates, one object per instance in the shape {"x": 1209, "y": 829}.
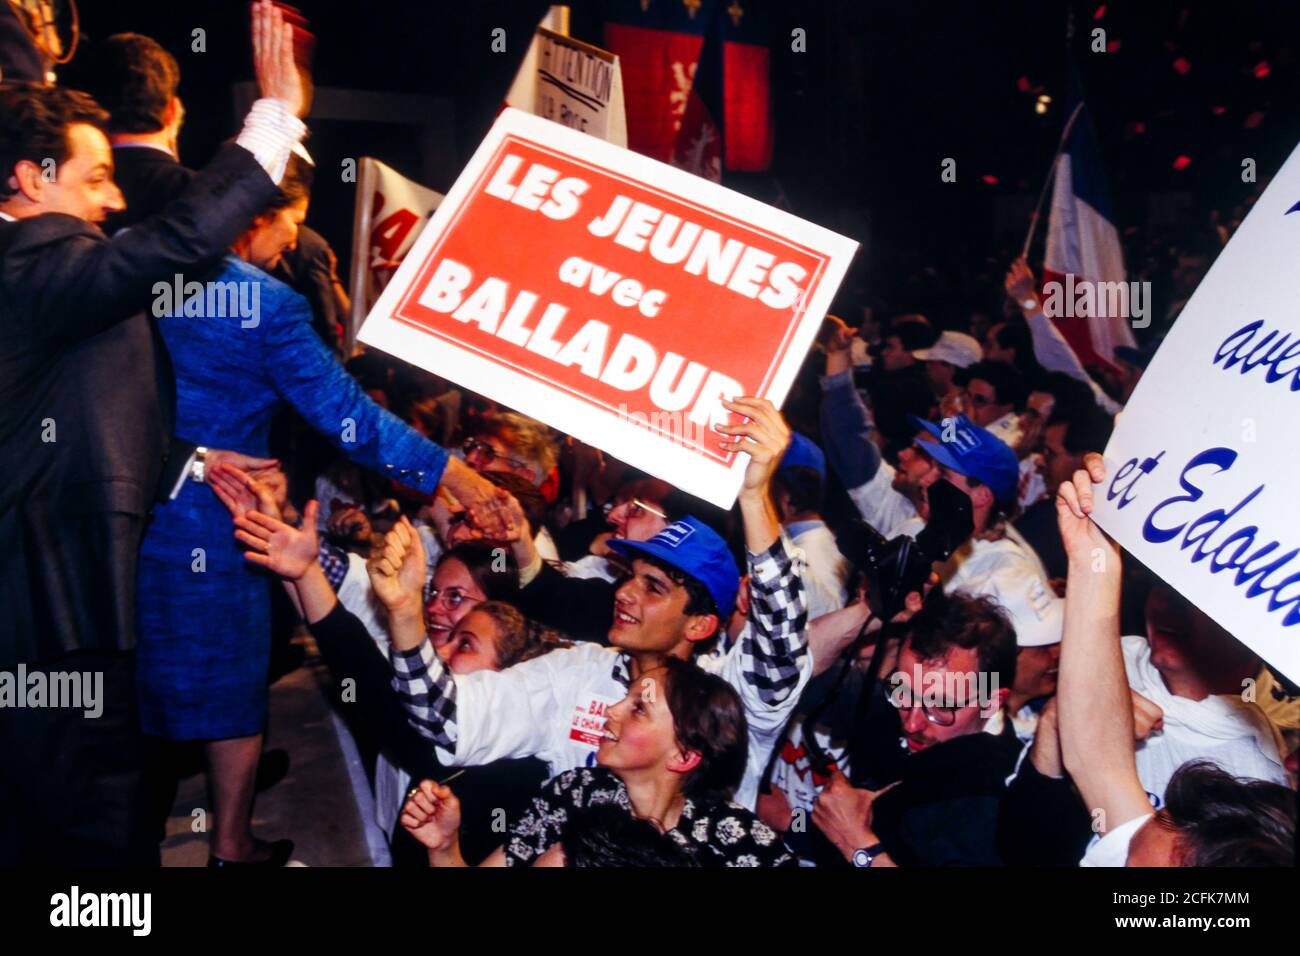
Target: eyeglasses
{"x": 901, "y": 698}
{"x": 490, "y": 454}
{"x": 636, "y": 506}
{"x": 452, "y": 598}
{"x": 979, "y": 401}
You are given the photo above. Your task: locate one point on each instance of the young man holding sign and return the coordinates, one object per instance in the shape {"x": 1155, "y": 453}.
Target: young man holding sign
{"x": 682, "y": 588}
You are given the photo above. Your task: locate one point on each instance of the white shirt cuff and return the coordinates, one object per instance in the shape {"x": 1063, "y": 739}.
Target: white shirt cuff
{"x": 182, "y": 477}
{"x": 270, "y": 133}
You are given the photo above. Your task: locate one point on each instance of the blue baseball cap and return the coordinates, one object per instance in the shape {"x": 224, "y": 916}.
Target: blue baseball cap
{"x": 803, "y": 451}
{"x": 692, "y": 547}
{"x": 974, "y": 452}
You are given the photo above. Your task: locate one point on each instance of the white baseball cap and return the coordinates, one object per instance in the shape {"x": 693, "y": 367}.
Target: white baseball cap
{"x": 955, "y": 348}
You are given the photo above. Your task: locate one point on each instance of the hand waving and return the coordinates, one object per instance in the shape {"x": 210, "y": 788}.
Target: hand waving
{"x": 273, "y": 57}
{"x": 1019, "y": 282}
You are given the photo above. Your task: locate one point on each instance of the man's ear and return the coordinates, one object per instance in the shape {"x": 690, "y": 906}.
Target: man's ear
{"x": 29, "y": 179}
{"x": 982, "y": 497}
{"x": 701, "y": 627}
{"x": 684, "y": 761}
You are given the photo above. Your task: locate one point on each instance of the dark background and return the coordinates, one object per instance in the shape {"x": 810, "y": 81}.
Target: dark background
{"x": 886, "y": 90}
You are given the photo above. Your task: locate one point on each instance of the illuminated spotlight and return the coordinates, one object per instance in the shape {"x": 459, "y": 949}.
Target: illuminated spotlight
{"x": 1044, "y": 101}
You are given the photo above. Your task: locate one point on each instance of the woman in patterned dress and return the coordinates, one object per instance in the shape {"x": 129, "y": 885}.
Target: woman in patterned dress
{"x": 673, "y": 752}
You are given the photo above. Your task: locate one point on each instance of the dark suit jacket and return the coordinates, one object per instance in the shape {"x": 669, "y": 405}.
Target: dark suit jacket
{"x": 86, "y": 405}
{"x": 149, "y": 180}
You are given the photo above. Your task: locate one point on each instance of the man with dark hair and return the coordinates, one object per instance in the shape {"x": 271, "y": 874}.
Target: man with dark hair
{"x": 928, "y": 745}
{"x": 1070, "y": 434}
{"x": 675, "y": 603}
{"x": 897, "y": 384}
{"x": 995, "y": 394}
{"x": 136, "y": 81}
{"x": 85, "y": 411}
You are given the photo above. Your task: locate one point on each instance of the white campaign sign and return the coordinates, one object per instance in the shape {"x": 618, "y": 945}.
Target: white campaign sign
{"x": 1203, "y": 469}
{"x": 614, "y": 297}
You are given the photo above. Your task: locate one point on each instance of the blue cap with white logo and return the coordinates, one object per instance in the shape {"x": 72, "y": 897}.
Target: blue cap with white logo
{"x": 974, "y": 452}
{"x": 692, "y": 547}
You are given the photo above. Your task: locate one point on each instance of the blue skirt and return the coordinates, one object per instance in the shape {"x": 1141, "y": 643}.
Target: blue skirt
{"x": 203, "y": 647}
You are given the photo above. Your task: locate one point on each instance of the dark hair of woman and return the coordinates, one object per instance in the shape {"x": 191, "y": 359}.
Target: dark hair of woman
{"x": 709, "y": 718}
{"x": 492, "y": 567}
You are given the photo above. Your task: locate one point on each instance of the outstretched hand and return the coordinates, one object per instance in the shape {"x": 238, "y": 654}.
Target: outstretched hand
{"x": 487, "y": 504}
{"x": 281, "y": 548}
{"x": 241, "y": 493}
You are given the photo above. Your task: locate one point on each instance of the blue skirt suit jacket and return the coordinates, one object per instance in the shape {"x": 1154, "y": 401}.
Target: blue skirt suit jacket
{"x": 203, "y": 611}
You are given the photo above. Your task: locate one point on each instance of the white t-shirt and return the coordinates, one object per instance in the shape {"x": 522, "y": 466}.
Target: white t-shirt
{"x": 1223, "y": 728}
{"x": 1112, "y": 849}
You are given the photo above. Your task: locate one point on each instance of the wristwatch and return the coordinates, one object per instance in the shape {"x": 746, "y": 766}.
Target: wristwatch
{"x": 1029, "y": 304}
{"x": 865, "y": 856}
{"x": 198, "y": 466}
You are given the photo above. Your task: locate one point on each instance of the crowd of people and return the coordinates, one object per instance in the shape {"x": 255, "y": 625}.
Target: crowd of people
{"x": 550, "y": 657}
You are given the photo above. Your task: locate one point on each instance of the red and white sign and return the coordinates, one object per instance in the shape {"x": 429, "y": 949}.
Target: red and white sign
{"x": 612, "y": 296}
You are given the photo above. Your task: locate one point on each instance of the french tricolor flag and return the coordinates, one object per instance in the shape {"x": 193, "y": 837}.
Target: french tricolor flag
{"x": 1081, "y": 236}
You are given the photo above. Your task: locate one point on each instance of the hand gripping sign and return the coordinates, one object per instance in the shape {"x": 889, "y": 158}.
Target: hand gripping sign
{"x": 1203, "y": 470}
{"x": 611, "y": 296}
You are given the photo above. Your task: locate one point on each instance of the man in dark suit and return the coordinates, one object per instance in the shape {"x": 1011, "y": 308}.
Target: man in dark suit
{"x": 85, "y": 421}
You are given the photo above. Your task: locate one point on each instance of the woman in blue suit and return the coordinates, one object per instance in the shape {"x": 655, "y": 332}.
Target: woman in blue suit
{"x": 204, "y": 619}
